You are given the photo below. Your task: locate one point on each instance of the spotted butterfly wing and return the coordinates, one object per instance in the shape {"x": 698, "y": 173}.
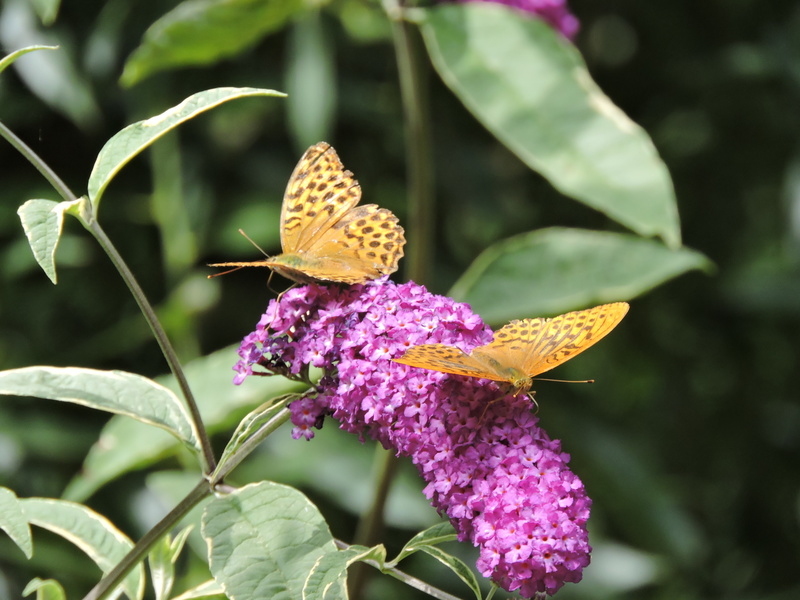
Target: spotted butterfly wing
{"x": 522, "y": 349}
{"x": 325, "y": 236}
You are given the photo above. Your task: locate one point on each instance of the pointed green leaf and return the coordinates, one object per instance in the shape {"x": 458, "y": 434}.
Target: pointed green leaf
{"x": 43, "y": 221}
{"x": 113, "y": 391}
{"x": 264, "y": 540}
{"x": 92, "y": 533}
{"x": 10, "y": 58}
{"x": 328, "y": 579}
{"x": 274, "y": 410}
{"x": 14, "y": 522}
{"x": 162, "y": 562}
{"x": 129, "y": 142}
{"x": 47, "y": 10}
{"x": 46, "y": 589}
{"x": 456, "y": 565}
{"x": 221, "y": 404}
{"x": 436, "y": 534}
{"x": 200, "y": 32}
{"x": 204, "y": 590}
{"x": 558, "y": 269}
{"x": 532, "y": 90}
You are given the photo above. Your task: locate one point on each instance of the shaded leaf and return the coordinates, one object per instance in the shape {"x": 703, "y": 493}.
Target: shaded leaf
{"x": 264, "y": 540}
{"x": 129, "y": 142}
{"x": 46, "y": 9}
{"x": 558, "y": 269}
{"x": 112, "y": 391}
{"x": 92, "y": 533}
{"x": 532, "y": 90}
{"x": 14, "y": 522}
{"x": 200, "y": 32}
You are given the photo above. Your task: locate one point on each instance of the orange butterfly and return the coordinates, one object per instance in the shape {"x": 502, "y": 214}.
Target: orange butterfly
{"x": 324, "y": 235}
{"x": 522, "y": 349}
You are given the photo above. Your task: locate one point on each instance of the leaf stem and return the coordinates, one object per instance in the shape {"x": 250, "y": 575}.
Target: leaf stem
{"x": 115, "y": 576}
{"x": 37, "y": 162}
{"x": 209, "y": 463}
{"x": 88, "y": 221}
{"x": 419, "y": 161}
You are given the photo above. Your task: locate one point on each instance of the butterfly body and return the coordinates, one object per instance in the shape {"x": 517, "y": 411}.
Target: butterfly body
{"x": 325, "y": 235}
{"x": 522, "y": 349}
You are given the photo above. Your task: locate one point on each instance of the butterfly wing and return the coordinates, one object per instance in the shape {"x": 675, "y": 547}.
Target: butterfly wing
{"x": 447, "y": 359}
{"x": 320, "y": 191}
{"x": 538, "y": 345}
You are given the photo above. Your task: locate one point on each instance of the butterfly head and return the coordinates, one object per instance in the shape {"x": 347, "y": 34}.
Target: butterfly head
{"x": 520, "y": 382}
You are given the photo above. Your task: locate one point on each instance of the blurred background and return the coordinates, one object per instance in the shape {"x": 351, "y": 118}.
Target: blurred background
{"x": 689, "y": 443}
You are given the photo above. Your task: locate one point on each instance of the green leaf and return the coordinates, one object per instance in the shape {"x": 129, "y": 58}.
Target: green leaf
{"x": 114, "y": 391}
{"x": 129, "y": 142}
{"x": 46, "y": 589}
{"x": 436, "y": 534}
{"x": 532, "y": 90}
{"x": 14, "y": 522}
{"x": 200, "y": 32}
{"x": 456, "y": 565}
{"x": 264, "y": 540}
{"x": 221, "y": 403}
{"x": 10, "y": 58}
{"x": 92, "y": 533}
{"x": 558, "y": 269}
{"x": 204, "y": 590}
{"x": 253, "y": 423}
{"x": 162, "y": 562}
{"x": 43, "y": 221}
{"x": 328, "y": 579}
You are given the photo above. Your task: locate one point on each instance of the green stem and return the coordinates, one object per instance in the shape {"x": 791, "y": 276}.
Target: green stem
{"x": 143, "y": 546}
{"x": 419, "y": 155}
{"x": 419, "y": 163}
{"x": 371, "y": 524}
{"x": 209, "y": 463}
{"x": 37, "y": 162}
{"x": 88, "y": 221}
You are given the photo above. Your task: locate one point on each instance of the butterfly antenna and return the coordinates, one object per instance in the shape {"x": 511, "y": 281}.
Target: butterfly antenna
{"x": 223, "y": 272}
{"x": 565, "y": 380}
{"x": 249, "y": 239}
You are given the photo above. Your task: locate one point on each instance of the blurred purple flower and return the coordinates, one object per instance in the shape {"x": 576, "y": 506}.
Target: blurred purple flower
{"x": 554, "y": 12}
{"x": 503, "y": 483}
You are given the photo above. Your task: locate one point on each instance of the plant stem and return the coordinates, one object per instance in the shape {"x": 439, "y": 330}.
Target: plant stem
{"x": 209, "y": 463}
{"x": 37, "y": 162}
{"x": 370, "y": 525}
{"x": 419, "y": 159}
{"x": 137, "y": 554}
{"x": 420, "y": 231}
{"x": 88, "y": 221}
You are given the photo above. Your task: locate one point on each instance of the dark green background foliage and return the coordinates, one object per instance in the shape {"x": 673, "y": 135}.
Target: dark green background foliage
{"x": 688, "y": 442}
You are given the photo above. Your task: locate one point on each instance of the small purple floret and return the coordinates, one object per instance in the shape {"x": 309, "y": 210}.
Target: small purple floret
{"x": 502, "y": 482}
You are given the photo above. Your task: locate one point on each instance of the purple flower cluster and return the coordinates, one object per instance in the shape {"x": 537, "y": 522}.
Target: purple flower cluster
{"x": 554, "y": 12}
{"x": 503, "y": 483}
